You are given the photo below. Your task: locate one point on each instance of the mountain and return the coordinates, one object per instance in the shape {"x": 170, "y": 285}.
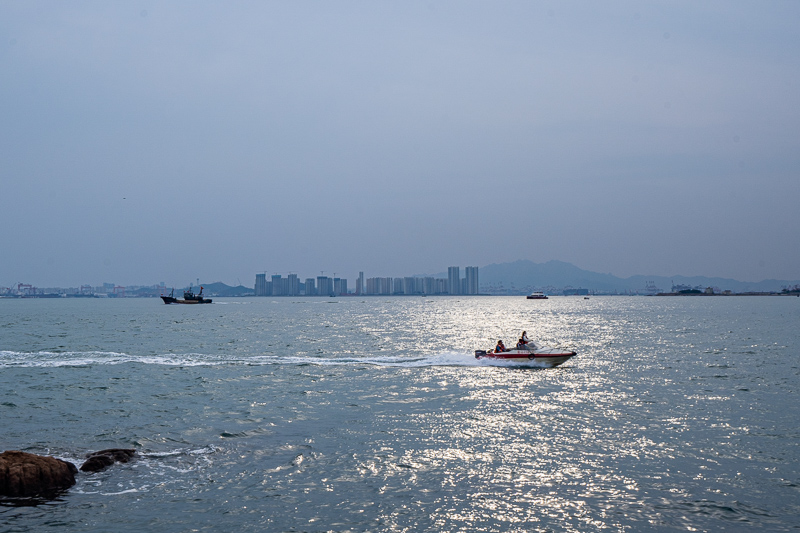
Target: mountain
{"x": 220, "y": 289}
{"x": 525, "y": 274}
{"x": 553, "y": 276}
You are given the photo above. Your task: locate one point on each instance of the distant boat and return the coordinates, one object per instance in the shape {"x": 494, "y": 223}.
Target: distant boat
{"x": 537, "y": 296}
{"x": 189, "y": 297}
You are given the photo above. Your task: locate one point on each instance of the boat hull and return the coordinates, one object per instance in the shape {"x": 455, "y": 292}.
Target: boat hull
{"x": 548, "y": 358}
{"x": 171, "y": 300}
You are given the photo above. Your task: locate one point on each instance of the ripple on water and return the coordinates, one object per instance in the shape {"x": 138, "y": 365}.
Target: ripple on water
{"x": 372, "y": 414}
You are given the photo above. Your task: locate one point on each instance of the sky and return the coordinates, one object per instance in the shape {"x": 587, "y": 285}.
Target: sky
{"x": 143, "y": 142}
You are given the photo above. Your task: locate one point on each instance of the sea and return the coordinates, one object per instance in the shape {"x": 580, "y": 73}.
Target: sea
{"x": 372, "y": 414}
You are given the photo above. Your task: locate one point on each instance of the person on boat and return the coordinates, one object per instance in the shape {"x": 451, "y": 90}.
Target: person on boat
{"x": 523, "y": 340}
{"x": 500, "y": 347}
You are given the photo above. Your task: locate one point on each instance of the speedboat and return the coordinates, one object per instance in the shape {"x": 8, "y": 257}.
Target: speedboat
{"x": 537, "y": 296}
{"x": 528, "y": 355}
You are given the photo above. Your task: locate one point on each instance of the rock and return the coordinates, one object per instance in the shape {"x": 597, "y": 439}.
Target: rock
{"x": 25, "y": 474}
{"x": 96, "y": 463}
{"x": 99, "y": 460}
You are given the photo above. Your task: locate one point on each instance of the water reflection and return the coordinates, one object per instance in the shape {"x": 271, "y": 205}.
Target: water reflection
{"x": 374, "y": 415}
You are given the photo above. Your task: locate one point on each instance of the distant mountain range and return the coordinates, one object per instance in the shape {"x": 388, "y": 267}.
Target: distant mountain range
{"x": 554, "y": 276}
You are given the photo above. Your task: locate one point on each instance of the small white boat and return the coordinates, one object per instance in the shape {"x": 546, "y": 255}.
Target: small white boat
{"x": 537, "y": 296}
{"x": 529, "y": 355}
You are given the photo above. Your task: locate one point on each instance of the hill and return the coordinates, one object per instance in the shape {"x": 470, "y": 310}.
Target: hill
{"x": 524, "y": 276}
{"x": 220, "y": 289}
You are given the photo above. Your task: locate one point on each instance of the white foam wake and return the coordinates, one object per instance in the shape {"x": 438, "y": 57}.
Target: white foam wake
{"x": 11, "y": 359}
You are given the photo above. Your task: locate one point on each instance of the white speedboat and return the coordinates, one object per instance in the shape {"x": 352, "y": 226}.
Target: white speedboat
{"x": 528, "y": 355}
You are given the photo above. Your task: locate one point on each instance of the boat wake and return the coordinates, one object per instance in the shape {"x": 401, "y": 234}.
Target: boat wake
{"x": 11, "y": 359}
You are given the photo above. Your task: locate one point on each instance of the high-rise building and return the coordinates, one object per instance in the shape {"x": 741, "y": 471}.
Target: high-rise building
{"x": 261, "y": 285}
{"x": 409, "y": 285}
{"x": 360, "y": 284}
{"x": 339, "y": 286}
{"x": 429, "y": 285}
{"x": 382, "y": 286}
{"x": 294, "y": 285}
{"x": 471, "y": 275}
{"x": 324, "y": 286}
{"x": 277, "y": 285}
{"x": 454, "y": 280}
{"x": 310, "y": 289}
{"x": 441, "y": 286}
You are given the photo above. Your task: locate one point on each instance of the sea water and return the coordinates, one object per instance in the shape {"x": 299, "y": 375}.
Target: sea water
{"x": 372, "y": 414}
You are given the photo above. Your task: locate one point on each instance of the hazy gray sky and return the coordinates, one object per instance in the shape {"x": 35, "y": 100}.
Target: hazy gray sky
{"x": 165, "y": 141}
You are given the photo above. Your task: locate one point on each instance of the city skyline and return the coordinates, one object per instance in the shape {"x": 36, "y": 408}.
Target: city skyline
{"x": 323, "y": 285}
{"x": 292, "y": 286}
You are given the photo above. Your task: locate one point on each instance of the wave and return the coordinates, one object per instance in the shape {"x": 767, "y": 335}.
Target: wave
{"x": 148, "y": 471}
{"x": 12, "y": 359}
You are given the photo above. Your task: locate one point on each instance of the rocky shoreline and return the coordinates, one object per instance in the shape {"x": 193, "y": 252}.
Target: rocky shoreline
{"x": 27, "y": 475}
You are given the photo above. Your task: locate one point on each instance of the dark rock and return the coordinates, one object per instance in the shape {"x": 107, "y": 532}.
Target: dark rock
{"x": 104, "y": 458}
{"x": 97, "y": 463}
{"x": 26, "y": 474}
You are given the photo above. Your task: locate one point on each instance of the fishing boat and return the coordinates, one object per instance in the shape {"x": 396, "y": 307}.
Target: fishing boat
{"x": 528, "y": 355}
{"x": 189, "y": 297}
{"x": 537, "y": 296}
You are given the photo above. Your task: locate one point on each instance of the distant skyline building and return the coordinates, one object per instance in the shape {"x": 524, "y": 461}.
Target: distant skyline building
{"x": 379, "y": 286}
{"x": 441, "y": 286}
{"x": 277, "y": 286}
{"x": 310, "y": 288}
{"x": 261, "y": 284}
{"x": 339, "y": 286}
{"x": 324, "y": 286}
{"x": 293, "y": 285}
{"x": 409, "y": 285}
{"x": 429, "y": 285}
{"x": 360, "y": 284}
{"x": 471, "y": 277}
{"x": 454, "y": 280}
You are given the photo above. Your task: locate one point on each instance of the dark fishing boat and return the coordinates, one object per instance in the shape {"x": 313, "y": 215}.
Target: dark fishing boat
{"x": 189, "y": 297}
{"x": 170, "y": 299}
